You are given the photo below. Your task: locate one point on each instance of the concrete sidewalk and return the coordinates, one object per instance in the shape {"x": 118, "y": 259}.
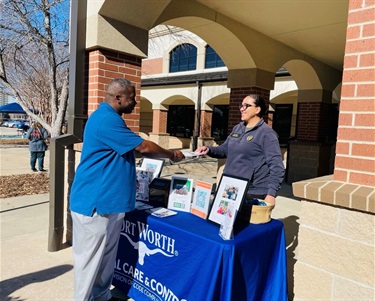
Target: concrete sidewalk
{"x": 30, "y": 272}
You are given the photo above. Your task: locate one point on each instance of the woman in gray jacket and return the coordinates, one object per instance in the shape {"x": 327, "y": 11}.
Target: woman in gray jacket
{"x": 253, "y": 152}
{"x": 37, "y": 136}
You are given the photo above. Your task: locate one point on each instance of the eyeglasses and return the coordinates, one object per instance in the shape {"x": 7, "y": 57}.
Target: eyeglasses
{"x": 245, "y": 106}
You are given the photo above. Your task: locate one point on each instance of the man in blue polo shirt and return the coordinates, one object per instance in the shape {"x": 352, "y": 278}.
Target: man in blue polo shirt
{"x": 104, "y": 188}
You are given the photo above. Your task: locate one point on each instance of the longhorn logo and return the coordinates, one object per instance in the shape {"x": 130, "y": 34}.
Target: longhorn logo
{"x": 143, "y": 250}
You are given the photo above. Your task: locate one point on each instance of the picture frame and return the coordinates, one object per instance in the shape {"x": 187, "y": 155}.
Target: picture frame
{"x": 231, "y": 189}
{"x": 159, "y": 192}
{"x": 180, "y": 194}
{"x": 154, "y": 165}
{"x": 201, "y": 199}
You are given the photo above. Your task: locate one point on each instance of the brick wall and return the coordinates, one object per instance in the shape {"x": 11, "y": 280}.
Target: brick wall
{"x": 308, "y": 160}
{"x": 152, "y": 66}
{"x": 313, "y": 121}
{"x": 104, "y": 65}
{"x": 236, "y": 97}
{"x": 355, "y": 159}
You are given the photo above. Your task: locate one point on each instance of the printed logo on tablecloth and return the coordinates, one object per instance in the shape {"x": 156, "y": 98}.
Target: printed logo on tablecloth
{"x": 143, "y": 250}
{"x": 135, "y": 277}
{"x": 159, "y": 243}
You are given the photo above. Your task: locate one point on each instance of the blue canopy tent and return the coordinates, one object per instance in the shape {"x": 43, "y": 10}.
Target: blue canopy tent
{"x": 13, "y": 107}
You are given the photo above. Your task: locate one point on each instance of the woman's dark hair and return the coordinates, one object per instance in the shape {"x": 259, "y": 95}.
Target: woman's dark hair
{"x": 261, "y": 103}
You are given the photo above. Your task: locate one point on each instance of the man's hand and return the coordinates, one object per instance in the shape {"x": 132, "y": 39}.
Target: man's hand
{"x": 177, "y": 156}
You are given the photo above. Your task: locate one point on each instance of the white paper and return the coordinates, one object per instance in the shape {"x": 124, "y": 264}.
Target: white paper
{"x": 162, "y": 212}
{"x": 191, "y": 154}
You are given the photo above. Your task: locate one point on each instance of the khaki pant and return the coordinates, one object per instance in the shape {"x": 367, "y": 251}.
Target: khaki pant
{"x": 95, "y": 242}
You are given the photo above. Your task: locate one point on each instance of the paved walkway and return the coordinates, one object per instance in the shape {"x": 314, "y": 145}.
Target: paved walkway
{"x": 30, "y": 272}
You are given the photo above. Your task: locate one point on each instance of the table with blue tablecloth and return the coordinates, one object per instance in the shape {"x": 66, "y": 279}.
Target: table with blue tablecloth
{"x": 182, "y": 257}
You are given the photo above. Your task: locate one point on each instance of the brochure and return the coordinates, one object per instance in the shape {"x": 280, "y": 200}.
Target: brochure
{"x": 226, "y": 227}
{"x": 162, "y": 212}
{"x": 180, "y": 194}
{"x": 143, "y": 180}
{"x": 201, "y": 199}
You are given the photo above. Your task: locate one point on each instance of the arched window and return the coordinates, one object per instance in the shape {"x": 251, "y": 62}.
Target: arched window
{"x": 212, "y": 59}
{"x": 183, "y": 58}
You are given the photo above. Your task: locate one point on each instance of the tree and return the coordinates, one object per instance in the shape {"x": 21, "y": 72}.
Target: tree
{"x": 34, "y": 58}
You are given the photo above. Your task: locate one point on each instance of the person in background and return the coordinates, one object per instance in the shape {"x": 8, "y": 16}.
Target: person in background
{"x": 253, "y": 152}
{"x": 37, "y": 136}
{"x": 104, "y": 188}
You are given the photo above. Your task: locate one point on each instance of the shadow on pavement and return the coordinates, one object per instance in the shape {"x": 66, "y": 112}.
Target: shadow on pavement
{"x": 291, "y": 227}
{"x": 11, "y": 285}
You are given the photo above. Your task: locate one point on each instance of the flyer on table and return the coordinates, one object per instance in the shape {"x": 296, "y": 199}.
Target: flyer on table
{"x": 180, "y": 194}
{"x": 201, "y": 199}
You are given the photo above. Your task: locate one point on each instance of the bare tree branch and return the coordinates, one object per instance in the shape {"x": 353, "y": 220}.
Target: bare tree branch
{"x": 34, "y": 58}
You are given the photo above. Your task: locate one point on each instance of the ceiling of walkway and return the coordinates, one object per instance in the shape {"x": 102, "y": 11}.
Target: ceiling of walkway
{"x": 314, "y": 27}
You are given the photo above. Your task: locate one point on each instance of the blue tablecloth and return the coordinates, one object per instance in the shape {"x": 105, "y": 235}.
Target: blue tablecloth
{"x": 182, "y": 257}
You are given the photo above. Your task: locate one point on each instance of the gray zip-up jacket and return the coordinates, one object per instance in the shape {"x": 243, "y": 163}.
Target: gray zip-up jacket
{"x": 253, "y": 154}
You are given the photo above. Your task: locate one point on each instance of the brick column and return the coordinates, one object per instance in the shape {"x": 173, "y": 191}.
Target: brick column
{"x": 104, "y": 65}
{"x": 341, "y": 214}
{"x": 206, "y": 122}
{"x": 159, "y": 121}
{"x": 236, "y": 97}
{"x": 313, "y": 121}
{"x": 355, "y": 160}
{"x": 205, "y": 130}
{"x": 312, "y": 153}
{"x": 159, "y": 133}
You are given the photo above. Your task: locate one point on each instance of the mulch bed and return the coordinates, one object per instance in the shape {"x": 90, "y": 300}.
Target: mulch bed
{"x": 20, "y": 141}
{"x": 26, "y": 184}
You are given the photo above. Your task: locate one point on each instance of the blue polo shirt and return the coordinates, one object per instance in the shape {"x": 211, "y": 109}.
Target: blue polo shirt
{"x": 105, "y": 178}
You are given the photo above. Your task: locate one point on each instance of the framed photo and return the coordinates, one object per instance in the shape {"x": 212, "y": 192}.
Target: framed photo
{"x": 201, "y": 199}
{"x": 231, "y": 190}
{"x": 154, "y": 165}
{"x": 180, "y": 194}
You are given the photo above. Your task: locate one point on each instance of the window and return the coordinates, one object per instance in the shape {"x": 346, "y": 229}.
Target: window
{"x": 180, "y": 121}
{"x": 183, "y": 58}
{"x": 219, "y": 127}
{"x": 212, "y": 59}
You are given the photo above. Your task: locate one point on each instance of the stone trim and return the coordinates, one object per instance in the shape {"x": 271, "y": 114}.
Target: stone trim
{"x": 339, "y": 194}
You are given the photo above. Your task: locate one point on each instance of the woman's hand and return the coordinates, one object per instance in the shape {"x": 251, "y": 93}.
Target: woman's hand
{"x": 270, "y": 200}
{"x": 202, "y": 150}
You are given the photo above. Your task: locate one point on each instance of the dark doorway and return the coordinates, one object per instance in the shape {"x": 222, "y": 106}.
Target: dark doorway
{"x": 180, "y": 121}
{"x": 282, "y": 122}
{"x": 219, "y": 127}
